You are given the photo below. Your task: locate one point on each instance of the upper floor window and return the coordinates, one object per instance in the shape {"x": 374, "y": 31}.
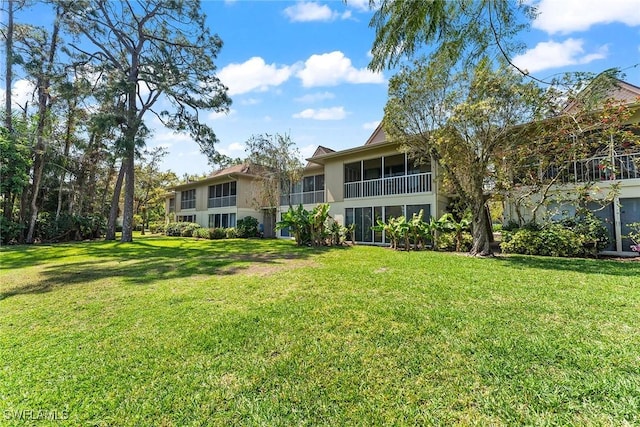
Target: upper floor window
{"x": 188, "y": 199}
{"x": 309, "y": 190}
{"x": 172, "y": 205}
{"x": 222, "y": 195}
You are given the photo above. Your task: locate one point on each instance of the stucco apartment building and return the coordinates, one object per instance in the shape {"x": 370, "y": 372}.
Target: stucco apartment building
{"x": 376, "y": 180}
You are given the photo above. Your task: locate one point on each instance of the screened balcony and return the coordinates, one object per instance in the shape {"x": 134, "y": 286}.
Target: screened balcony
{"x": 386, "y": 176}
{"x": 600, "y": 168}
{"x": 306, "y": 192}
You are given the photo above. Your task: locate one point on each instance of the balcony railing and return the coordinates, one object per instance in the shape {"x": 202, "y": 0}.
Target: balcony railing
{"x": 405, "y": 184}
{"x": 307, "y": 198}
{"x": 219, "y": 202}
{"x": 601, "y": 168}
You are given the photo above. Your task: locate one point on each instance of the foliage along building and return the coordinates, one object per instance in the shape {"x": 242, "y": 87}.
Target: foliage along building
{"x": 377, "y": 181}
{"x": 361, "y": 184}
{"x": 219, "y": 200}
{"x": 606, "y": 177}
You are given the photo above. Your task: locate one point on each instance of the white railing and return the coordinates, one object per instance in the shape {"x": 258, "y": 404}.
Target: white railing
{"x": 601, "y": 168}
{"x": 306, "y": 198}
{"x": 405, "y": 184}
{"x": 219, "y": 202}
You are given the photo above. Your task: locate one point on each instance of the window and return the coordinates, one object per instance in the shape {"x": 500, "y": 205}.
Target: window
{"x": 188, "y": 199}
{"x": 221, "y": 195}
{"x": 225, "y": 220}
{"x": 415, "y": 209}
{"x": 284, "y": 232}
{"x": 366, "y": 217}
{"x": 308, "y": 184}
{"x": 352, "y": 172}
{"x": 186, "y": 218}
{"x": 422, "y": 167}
{"x": 308, "y": 191}
{"x": 172, "y": 205}
{"x": 372, "y": 169}
{"x": 394, "y": 166}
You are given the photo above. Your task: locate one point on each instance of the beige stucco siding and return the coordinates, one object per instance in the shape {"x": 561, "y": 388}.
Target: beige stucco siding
{"x": 246, "y": 190}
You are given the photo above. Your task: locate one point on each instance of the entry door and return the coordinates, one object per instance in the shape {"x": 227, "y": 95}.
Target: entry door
{"x": 269, "y": 223}
{"x": 629, "y": 213}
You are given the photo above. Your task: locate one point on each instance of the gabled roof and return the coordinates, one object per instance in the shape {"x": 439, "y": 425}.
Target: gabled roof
{"x": 230, "y": 173}
{"x": 377, "y": 136}
{"x": 322, "y": 150}
{"x": 621, "y": 91}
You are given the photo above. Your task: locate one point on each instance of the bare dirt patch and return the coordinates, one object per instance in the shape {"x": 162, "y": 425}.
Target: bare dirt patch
{"x": 267, "y": 264}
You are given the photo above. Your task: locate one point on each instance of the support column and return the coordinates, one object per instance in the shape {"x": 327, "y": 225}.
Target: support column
{"x": 617, "y": 224}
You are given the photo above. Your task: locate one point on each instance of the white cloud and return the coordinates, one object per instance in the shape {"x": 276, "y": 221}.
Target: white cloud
{"x": 250, "y": 101}
{"x": 566, "y": 16}
{"x": 361, "y": 5}
{"x": 21, "y": 93}
{"x": 214, "y": 115}
{"x": 253, "y": 74}
{"x": 315, "y": 97}
{"x": 169, "y": 138}
{"x": 333, "y": 113}
{"x": 333, "y": 68}
{"x": 307, "y": 151}
{"x": 546, "y": 55}
{"x": 232, "y": 150}
{"x": 311, "y": 11}
{"x": 371, "y": 125}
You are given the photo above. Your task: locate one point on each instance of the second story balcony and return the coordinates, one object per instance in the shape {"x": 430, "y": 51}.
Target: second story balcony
{"x": 404, "y": 184}
{"x": 599, "y": 168}
{"x": 304, "y": 198}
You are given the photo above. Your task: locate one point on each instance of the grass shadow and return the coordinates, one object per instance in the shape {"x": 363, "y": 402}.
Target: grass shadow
{"x": 579, "y": 265}
{"x": 148, "y": 260}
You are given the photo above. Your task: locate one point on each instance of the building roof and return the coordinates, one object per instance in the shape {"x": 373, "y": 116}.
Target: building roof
{"x": 230, "y": 173}
{"x": 322, "y": 150}
{"x": 377, "y": 136}
{"x": 621, "y": 91}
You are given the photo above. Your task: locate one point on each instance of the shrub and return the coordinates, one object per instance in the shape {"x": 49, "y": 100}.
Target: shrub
{"x": 247, "y": 227}
{"x": 68, "y": 227}
{"x": 9, "y": 230}
{"x": 188, "y": 229}
{"x": 231, "y": 233}
{"x": 447, "y": 241}
{"x": 573, "y": 237}
{"x": 184, "y": 229}
{"x": 173, "y": 229}
{"x": 217, "y": 233}
{"x": 201, "y": 233}
{"x": 511, "y": 225}
{"x": 157, "y": 227}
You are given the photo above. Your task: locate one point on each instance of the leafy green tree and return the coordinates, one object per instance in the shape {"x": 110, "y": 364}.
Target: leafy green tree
{"x": 456, "y": 29}
{"x": 151, "y": 186}
{"x": 154, "y": 49}
{"x": 460, "y": 120}
{"x": 279, "y": 159}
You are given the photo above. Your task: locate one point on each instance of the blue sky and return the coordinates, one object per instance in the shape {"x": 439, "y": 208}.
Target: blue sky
{"x": 300, "y": 67}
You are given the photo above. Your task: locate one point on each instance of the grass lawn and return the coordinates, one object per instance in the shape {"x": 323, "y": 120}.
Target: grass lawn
{"x": 178, "y": 332}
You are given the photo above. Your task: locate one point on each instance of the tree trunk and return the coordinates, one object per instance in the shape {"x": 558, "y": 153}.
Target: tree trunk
{"x": 129, "y": 188}
{"x": 43, "y": 112}
{"x": 8, "y": 67}
{"x": 115, "y": 201}
{"x": 67, "y": 148}
{"x": 481, "y": 241}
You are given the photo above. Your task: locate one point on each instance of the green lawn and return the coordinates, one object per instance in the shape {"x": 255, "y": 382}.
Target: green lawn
{"x": 182, "y": 332}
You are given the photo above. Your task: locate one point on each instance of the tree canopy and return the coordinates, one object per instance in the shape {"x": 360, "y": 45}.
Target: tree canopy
{"x": 462, "y": 121}
{"x": 457, "y": 29}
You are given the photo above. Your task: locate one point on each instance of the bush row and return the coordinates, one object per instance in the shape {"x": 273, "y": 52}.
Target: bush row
{"x": 246, "y": 227}
{"x": 579, "y": 236}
